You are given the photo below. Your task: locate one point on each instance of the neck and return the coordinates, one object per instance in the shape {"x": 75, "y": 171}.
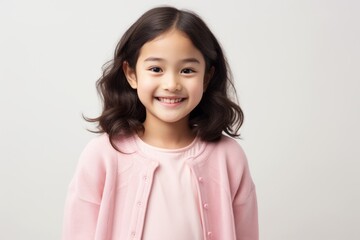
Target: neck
{"x": 170, "y": 135}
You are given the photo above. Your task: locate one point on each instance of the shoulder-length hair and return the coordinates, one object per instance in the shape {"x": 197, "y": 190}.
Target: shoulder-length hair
{"x": 124, "y": 114}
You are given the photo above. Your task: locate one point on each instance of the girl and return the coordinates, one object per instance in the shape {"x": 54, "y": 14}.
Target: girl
{"x": 162, "y": 169}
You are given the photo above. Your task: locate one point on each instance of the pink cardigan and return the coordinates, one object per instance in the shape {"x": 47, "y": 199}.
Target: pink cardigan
{"x": 108, "y": 195}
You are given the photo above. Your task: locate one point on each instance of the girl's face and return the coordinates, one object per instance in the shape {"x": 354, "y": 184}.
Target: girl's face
{"x": 169, "y": 78}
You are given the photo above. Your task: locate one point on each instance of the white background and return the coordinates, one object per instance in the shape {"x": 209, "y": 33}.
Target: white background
{"x": 296, "y": 65}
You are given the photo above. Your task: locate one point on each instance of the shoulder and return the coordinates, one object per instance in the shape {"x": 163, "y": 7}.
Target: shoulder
{"x": 229, "y": 159}
{"x": 101, "y": 145}
{"x": 225, "y": 162}
{"x": 99, "y": 152}
{"x": 226, "y": 151}
{"x": 97, "y": 162}
{"x": 226, "y": 141}
{"x": 95, "y": 153}
{"x": 229, "y": 147}
{"x": 100, "y": 142}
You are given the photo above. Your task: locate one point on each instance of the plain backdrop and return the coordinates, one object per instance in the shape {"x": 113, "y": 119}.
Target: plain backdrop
{"x": 296, "y": 65}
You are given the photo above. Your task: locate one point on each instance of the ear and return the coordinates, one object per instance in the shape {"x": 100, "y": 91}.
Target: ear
{"x": 130, "y": 74}
{"x": 208, "y": 77}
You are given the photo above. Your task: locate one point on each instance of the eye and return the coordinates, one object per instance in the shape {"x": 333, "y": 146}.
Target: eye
{"x": 155, "y": 69}
{"x": 187, "y": 71}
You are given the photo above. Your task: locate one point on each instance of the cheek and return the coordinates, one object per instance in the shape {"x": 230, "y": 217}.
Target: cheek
{"x": 145, "y": 90}
{"x": 197, "y": 91}
{"x": 145, "y": 86}
{"x": 143, "y": 79}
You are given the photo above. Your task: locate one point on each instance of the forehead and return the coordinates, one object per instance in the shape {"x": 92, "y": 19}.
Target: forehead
{"x": 170, "y": 45}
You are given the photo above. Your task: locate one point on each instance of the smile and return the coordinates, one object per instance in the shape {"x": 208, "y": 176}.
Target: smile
{"x": 170, "y": 100}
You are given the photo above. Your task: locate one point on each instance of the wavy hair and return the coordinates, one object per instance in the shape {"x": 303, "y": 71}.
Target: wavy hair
{"x": 124, "y": 114}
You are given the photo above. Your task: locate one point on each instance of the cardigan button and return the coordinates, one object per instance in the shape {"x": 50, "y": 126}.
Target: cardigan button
{"x": 133, "y": 234}
{"x": 209, "y": 234}
{"x": 206, "y": 206}
{"x": 201, "y": 179}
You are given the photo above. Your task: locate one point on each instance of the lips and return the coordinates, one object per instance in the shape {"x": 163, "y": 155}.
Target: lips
{"x": 170, "y": 100}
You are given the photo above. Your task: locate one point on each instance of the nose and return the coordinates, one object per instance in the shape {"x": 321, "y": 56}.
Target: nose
{"x": 171, "y": 83}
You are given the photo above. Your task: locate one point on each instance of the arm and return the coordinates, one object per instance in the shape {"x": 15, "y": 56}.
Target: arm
{"x": 84, "y": 196}
{"x": 245, "y": 202}
{"x": 80, "y": 218}
{"x": 246, "y": 217}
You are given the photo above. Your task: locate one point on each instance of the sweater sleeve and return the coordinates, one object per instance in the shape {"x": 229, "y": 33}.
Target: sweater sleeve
{"x": 245, "y": 205}
{"x": 84, "y": 196}
{"x": 246, "y": 218}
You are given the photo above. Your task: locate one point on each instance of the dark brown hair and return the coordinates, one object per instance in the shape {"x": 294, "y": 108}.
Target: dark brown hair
{"x": 123, "y": 113}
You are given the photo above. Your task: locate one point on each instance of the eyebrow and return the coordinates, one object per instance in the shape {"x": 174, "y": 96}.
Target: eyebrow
{"x": 186, "y": 60}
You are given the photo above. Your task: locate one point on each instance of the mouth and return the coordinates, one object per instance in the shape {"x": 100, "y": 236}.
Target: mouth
{"x": 170, "y": 100}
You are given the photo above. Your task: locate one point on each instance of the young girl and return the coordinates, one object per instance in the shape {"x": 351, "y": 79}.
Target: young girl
{"x": 162, "y": 169}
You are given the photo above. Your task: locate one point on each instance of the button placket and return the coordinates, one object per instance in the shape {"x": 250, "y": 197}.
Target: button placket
{"x": 205, "y": 206}
{"x": 146, "y": 178}
{"x": 140, "y": 202}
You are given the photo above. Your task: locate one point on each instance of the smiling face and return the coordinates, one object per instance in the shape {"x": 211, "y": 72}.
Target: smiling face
{"x": 169, "y": 78}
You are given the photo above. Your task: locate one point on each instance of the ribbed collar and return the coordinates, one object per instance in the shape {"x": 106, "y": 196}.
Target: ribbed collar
{"x": 195, "y": 148}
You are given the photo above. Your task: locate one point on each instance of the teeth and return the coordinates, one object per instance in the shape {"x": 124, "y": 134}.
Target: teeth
{"x": 170, "y": 100}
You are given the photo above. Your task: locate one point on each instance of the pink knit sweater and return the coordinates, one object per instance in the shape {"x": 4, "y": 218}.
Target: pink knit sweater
{"x": 103, "y": 195}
